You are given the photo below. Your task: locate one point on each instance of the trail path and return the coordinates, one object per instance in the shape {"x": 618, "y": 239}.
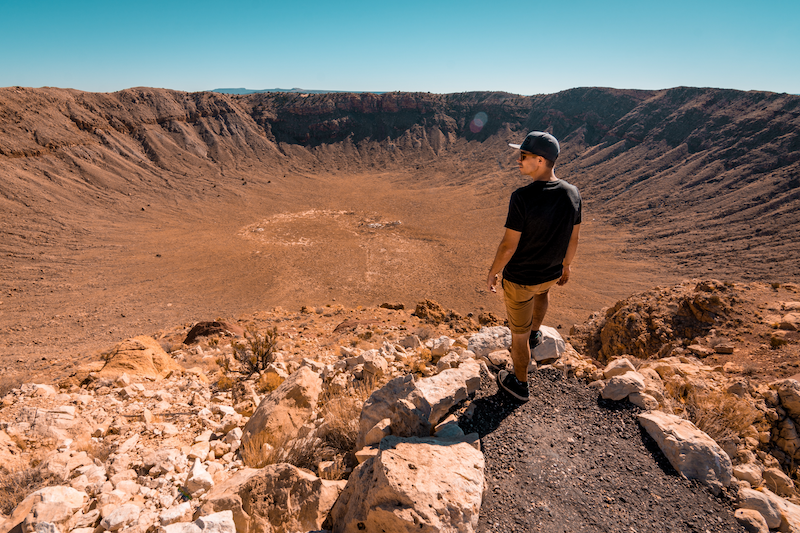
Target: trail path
{"x": 568, "y": 461}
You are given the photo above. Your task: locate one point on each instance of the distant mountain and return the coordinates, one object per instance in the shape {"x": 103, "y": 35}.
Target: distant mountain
{"x": 294, "y": 90}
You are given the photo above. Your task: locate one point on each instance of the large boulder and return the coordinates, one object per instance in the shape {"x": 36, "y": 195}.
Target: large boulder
{"x": 55, "y": 505}
{"x": 140, "y": 356}
{"x": 690, "y": 451}
{"x": 450, "y": 387}
{"x": 413, "y": 484}
{"x": 285, "y": 409}
{"x": 489, "y": 339}
{"x": 279, "y": 498}
{"x": 402, "y": 402}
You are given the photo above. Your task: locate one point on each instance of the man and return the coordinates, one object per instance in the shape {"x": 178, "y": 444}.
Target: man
{"x": 537, "y": 249}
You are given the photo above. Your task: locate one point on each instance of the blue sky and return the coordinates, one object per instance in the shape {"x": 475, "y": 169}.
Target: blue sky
{"x": 441, "y": 47}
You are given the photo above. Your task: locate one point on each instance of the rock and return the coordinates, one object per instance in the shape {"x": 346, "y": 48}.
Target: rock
{"x": 778, "y": 482}
{"x": 440, "y": 345}
{"x": 449, "y": 388}
{"x": 198, "y": 480}
{"x": 226, "y": 496}
{"x": 221, "y": 522}
{"x": 403, "y": 403}
{"x": 374, "y": 363}
{"x": 789, "y": 392}
{"x": 280, "y": 498}
{"x": 550, "y": 349}
{"x": 51, "y": 504}
{"x": 500, "y": 358}
{"x": 617, "y": 367}
{"x": 380, "y": 430}
{"x": 790, "y": 322}
{"x": 413, "y": 485}
{"x": 621, "y": 386}
{"x": 178, "y": 513}
{"x": 645, "y": 401}
{"x": 121, "y": 517}
{"x": 209, "y": 328}
{"x": 749, "y": 472}
{"x": 141, "y": 356}
{"x": 285, "y": 409}
{"x": 365, "y": 453}
{"x": 752, "y": 521}
{"x": 180, "y": 527}
{"x": 411, "y": 341}
{"x": 489, "y": 339}
{"x": 760, "y": 502}
{"x": 690, "y": 451}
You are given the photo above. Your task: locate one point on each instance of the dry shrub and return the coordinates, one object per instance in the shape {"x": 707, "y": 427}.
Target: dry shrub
{"x": 225, "y": 383}
{"x": 268, "y": 382}
{"x": 7, "y": 384}
{"x": 16, "y": 484}
{"x": 342, "y": 411}
{"x": 258, "y": 350}
{"x": 720, "y": 415}
{"x": 267, "y": 448}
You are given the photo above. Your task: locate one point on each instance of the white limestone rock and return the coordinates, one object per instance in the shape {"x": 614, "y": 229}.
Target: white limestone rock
{"x": 221, "y": 522}
{"x": 411, "y": 485}
{"x": 121, "y": 516}
{"x": 551, "y": 347}
{"x": 619, "y": 387}
{"x": 489, "y": 339}
{"x": 401, "y": 401}
{"x": 618, "y": 367}
{"x": 198, "y": 480}
{"x": 690, "y": 451}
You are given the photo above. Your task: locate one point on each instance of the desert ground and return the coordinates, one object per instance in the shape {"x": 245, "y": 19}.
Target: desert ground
{"x": 139, "y": 211}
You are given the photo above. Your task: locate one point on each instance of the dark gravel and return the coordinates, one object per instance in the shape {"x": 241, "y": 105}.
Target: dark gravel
{"x": 569, "y": 461}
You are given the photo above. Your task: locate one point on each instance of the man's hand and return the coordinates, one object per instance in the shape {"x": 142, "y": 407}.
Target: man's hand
{"x": 564, "y": 276}
{"x": 491, "y": 282}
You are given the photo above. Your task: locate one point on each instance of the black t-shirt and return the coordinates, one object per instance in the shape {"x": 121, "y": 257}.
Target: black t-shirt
{"x": 545, "y": 213}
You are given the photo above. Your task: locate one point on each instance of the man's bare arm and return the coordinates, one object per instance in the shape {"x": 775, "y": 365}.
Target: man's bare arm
{"x": 504, "y": 253}
{"x": 571, "y": 249}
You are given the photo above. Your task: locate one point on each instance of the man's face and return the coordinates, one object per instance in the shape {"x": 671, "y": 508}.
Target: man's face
{"x": 530, "y": 164}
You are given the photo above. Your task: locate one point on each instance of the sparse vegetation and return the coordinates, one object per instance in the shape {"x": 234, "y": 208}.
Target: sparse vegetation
{"x": 16, "y": 484}
{"x": 268, "y": 382}
{"x": 257, "y": 352}
{"x": 719, "y": 414}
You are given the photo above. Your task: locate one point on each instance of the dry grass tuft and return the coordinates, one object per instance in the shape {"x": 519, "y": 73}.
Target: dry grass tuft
{"x": 16, "y": 484}
{"x": 721, "y": 415}
{"x": 268, "y": 382}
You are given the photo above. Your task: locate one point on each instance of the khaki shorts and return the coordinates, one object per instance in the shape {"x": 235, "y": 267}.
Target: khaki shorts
{"x": 519, "y": 303}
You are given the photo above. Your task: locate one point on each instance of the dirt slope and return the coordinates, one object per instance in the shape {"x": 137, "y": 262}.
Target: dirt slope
{"x": 567, "y": 461}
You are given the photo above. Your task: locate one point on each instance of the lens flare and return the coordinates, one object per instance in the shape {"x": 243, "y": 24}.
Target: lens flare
{"x": 478, "y": 122}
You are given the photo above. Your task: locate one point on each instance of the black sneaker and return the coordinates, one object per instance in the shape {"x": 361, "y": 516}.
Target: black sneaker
{"x": 509, "y": 383}
{"x": 535, "y": 340}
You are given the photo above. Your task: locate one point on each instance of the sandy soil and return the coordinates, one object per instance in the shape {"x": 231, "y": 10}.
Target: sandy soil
{"x": 356, "y": 240}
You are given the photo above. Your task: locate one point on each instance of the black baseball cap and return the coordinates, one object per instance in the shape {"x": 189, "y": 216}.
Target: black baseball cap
{"x": 539, "y": 143}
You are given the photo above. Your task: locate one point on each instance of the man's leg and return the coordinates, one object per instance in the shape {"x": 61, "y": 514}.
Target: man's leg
{"x": 520, "y": 354}
{"x": 540, "y": 302}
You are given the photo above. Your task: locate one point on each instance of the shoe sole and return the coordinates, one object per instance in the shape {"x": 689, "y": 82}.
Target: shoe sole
{"x": 512, "y": 393}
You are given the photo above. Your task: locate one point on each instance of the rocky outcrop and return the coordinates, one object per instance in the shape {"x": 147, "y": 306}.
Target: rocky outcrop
{"x": 141, "y": 356}
{"x": 413, "y": 484}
